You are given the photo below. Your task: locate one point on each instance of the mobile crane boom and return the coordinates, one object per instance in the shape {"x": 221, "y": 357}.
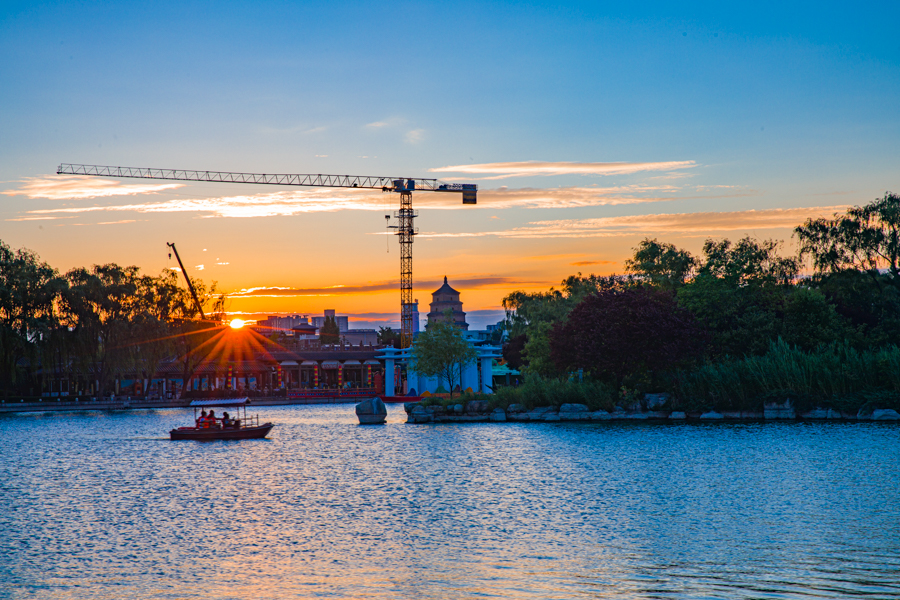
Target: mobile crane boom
{"x": 188, "y": 279}
{"x": 402, "y": 185}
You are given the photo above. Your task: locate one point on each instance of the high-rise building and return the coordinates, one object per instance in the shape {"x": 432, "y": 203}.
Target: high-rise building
{"x": 342, "y": 321}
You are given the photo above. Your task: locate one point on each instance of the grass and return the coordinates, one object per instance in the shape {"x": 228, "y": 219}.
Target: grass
{"x": 835, "y": 376}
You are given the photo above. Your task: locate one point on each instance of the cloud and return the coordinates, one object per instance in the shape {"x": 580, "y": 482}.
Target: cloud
{"x": 415, "y": 136}
{"x": 470, "y": 283}
{"x": 199, "y": 267}
{"x": 78, "y": 187}
{"x": 703, "y": 223}
{"x": 386, "y": 123}
{"x": 503, "y": 170}
{"x": 39, "y": 218}
{"x": 299, "y": 201}
{"x": 586, "y": 263}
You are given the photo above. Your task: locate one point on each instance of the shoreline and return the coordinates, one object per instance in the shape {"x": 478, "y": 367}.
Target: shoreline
{"x": 478, "y": 411}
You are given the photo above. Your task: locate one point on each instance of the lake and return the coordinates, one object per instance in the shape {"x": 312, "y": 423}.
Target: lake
{"x": 103, "y": 505}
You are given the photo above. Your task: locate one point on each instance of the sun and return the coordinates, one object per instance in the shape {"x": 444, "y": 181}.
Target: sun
{"x": 237, "y": 323}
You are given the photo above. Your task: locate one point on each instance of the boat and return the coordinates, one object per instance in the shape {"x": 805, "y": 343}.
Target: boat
{"x": 244, "y": 428}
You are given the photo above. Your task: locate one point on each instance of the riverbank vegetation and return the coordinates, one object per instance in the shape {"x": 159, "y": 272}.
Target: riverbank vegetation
{"x": 92, "y": 325}
{"x": 738, "y": 326}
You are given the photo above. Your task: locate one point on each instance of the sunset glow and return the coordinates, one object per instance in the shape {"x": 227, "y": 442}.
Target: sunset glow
{"x": 236, "y": 323}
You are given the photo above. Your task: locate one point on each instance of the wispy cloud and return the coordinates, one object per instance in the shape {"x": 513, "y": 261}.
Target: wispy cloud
{"x": 386, "y": 123}
{"x": 702, "y": 223}
{"x": 502, "y": 170}
{"x": 587, "y": 263}
{"x": 470, "y": 283}
{"x": 79, "y": 187}
{"x": 294, "y": 201}
{"x": 415, "y": 136}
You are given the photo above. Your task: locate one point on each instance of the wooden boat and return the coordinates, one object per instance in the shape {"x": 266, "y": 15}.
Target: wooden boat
{"x": 244, "y": 428}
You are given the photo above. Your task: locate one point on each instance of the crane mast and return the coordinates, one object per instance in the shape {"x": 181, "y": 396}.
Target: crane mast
{"x": 188, "y": 279}
{"x": 402, "y": 185}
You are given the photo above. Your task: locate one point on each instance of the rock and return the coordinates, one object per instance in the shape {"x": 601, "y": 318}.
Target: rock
{"x": 537, "y": 414}
{"x": 420, "y": 414}
{"x": 732, "y": 415}
{"x": 657, "y": 414}
{"x": 515, "y": 408}
{"x": 574, "y": 412}
{"x": 476, "y": 407}
{"x": 711, "y": 416}
{"x": 458, "y": 409}
{"x": 498, "y": 416}
{"x": 600, "y": 415}
{"x": 550, "y": 417}
{"x": 677, "y": 415}
{"x": 885, "y": 414}
{"x": 656, "y": 401}
{"x": 634, "y": 416}
{"x": 775, "y": 410}
{"x": 371, "y": 412}
{"x": 519, "y": 416}
{"x": 821, "y": 414}
{"x": 408, "y": 406}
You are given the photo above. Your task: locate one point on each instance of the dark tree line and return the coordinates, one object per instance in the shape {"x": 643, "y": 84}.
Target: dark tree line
{"x": 671, "y": 309}
{"x": 92, "y": 325}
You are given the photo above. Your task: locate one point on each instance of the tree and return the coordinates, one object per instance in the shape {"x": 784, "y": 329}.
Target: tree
{"x": 29, "y": 293}
{"x": 388, "y": 337}
{"x": 330, "y": 332}
{"x": 442, "y": 351}
{"x": 739, "y": 293}
{"x": 662, "y": 264}
{"x": 630, "y": 333}
{"x": 865, "y": 238}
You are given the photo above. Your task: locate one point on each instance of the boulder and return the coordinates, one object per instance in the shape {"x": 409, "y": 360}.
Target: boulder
{"x": 537, "y": 414}
{"x": 712, "y": 416}
{"x": 776, "y": 410}
{"x": 551, "y": 416}
{"x": 821, "y": 414}
{"x": 420, "y": 414}
{"x": 515, "y": 408}
{"x": 656, "y": 401}
{"x": 885, "y": 414}
{"x": 498, "y": 416}
{"x": 600, "y": 415}
{"x": 458, "y": 409}
{"x": 476, "y": 407}
{"x": 677, "y": 416}
{"x": 371, "y": 412}
{"x": 574, "y": 412}
{"x": 408, "y": 406}
{"x": 657, "y": 414}
{"x": 632, "y": 416}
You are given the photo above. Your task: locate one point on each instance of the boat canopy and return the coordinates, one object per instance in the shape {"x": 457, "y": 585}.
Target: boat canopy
{"x": 221, "y": 402}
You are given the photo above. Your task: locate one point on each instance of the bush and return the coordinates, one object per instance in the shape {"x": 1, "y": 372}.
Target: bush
{"x": 538, "y": 391}
{"x": 835, "y": 376}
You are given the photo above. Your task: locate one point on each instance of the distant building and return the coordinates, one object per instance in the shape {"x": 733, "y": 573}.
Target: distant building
{"x": 366, "y": 337}
{"x": 443, "y": 299}
{"x": 415, "y": 315}
{"x": 342, "y": 321}
{"x": 283, "y": 324}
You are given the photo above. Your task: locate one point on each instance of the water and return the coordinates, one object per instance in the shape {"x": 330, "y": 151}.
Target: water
{"x": 103, "y": 505}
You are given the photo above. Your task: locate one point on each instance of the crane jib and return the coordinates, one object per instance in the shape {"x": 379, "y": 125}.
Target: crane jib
{"x": 385, "y": 184}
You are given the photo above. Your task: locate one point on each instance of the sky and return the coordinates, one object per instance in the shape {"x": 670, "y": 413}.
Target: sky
{"x": 587, "y": 127}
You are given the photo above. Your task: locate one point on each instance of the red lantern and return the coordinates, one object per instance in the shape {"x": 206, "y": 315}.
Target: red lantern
{"x": 315, "y": 376}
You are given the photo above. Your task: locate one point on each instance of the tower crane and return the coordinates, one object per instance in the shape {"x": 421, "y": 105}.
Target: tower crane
{"x": 401, "y": 185}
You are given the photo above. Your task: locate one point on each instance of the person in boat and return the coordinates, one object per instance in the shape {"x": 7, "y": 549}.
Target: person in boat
{"x": 211, "y": 419}
{"x": 201, "y": 420}
{"x": 226, "y": 420}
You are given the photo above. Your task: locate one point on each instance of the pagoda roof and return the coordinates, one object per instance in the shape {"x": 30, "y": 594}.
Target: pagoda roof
{"x": 445, "y": 288}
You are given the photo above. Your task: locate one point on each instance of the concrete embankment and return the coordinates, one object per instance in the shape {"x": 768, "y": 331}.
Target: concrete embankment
{"x": 480, "y": 411}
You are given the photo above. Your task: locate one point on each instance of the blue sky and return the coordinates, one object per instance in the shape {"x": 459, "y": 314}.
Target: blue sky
{"x": 719, "y": 110}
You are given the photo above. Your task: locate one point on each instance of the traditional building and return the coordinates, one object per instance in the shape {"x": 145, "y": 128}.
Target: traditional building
{"x": 443, "y": 299}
